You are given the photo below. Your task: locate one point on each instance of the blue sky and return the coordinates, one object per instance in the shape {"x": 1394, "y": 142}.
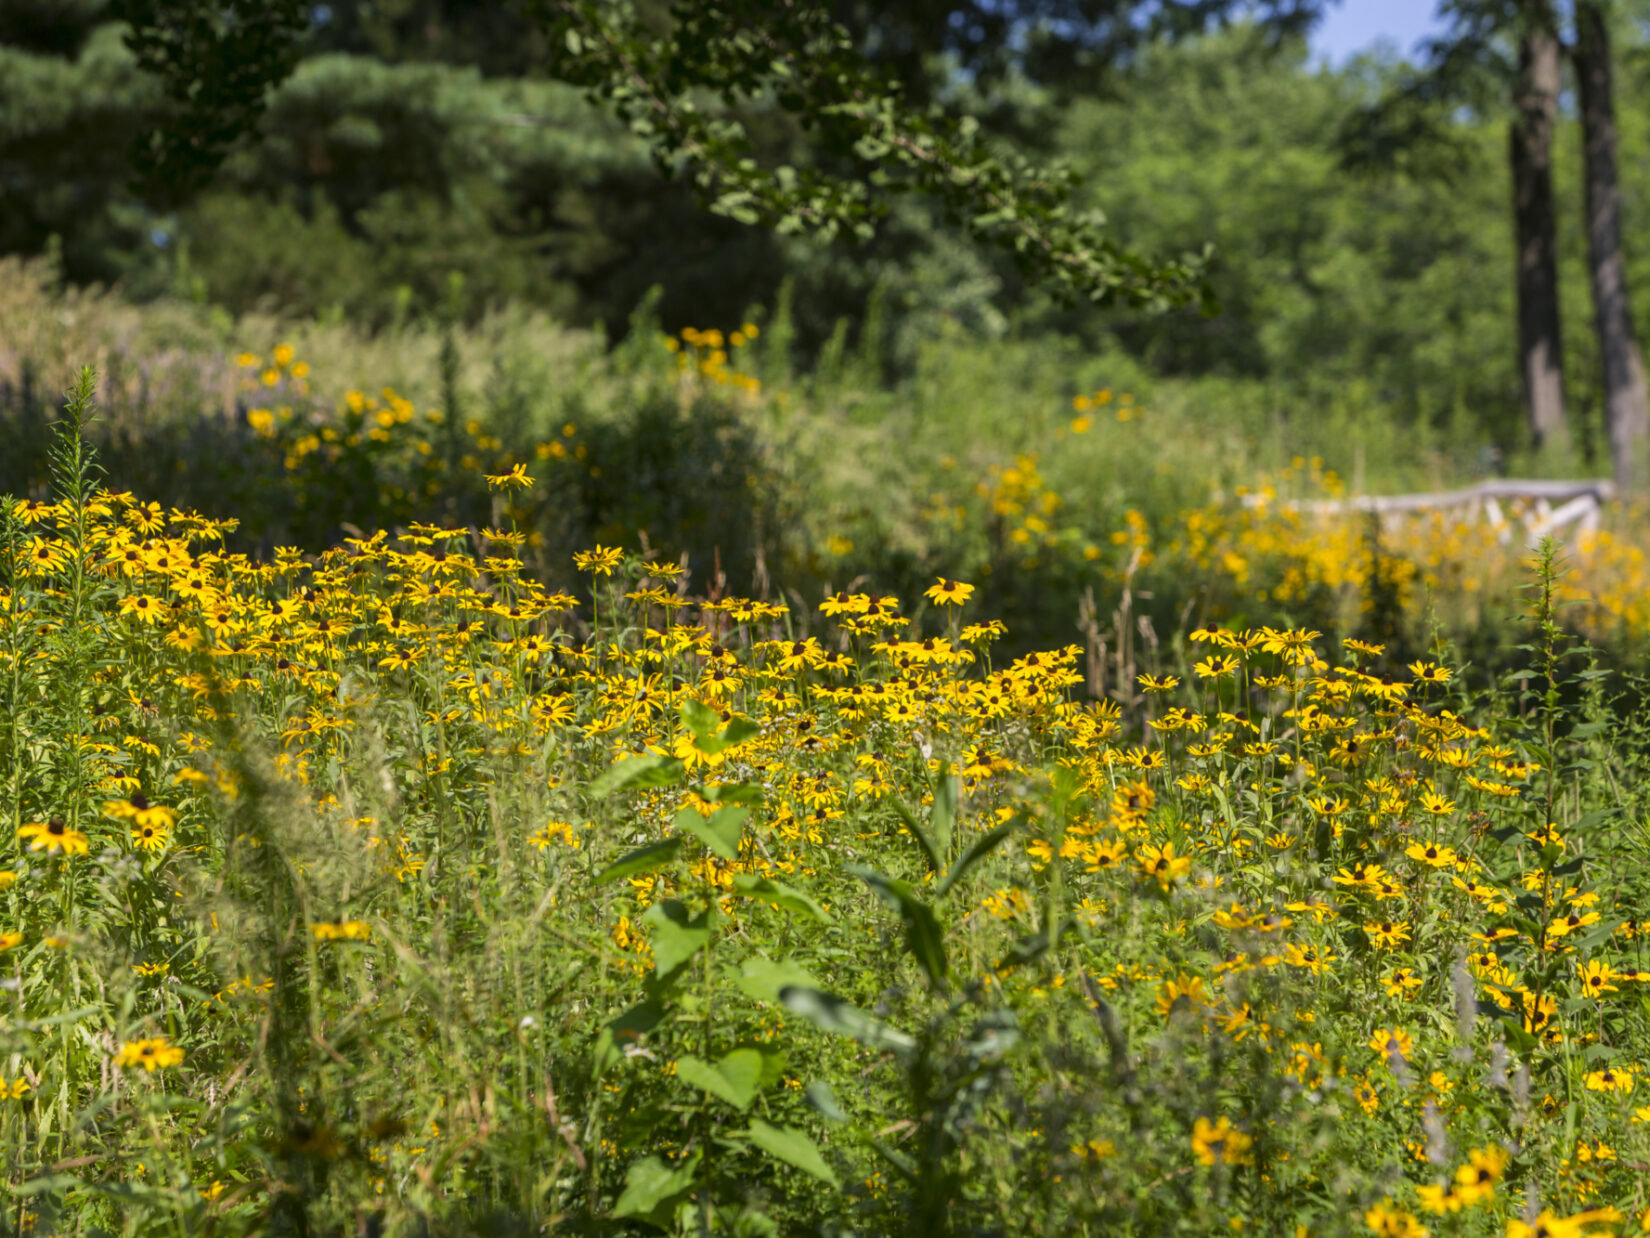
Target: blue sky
{"x": 1354, "y": 26}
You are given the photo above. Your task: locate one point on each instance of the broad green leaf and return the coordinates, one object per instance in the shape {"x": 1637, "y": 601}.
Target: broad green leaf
{"x": 647, "y": 770}
{"x": 790, "y": 1145}
{"x": 652, "y": 1190}
{"x": 977, "y": 851}
{"x": 642, "y": 860}
{"x": 737, "y": 731}
{"x": 832, "y": 1014}
{"x": 762, "y": 979}
{"x": 733, "y": 793}
{"x": 720, "y": 833}
{"x": 701, "y": 719}
{"x": 774, "y": 1062}
{"x": 734, "y": 1079}
{"x": 677, "y": 936}
{"x": 923, "y": 935}
{"x": 780, "y": 895}
{"x": 824, "y": 1101}
{"x": 704, "y": 723}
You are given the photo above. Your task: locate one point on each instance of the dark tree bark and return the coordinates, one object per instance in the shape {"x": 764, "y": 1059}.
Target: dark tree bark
{"x": 1540, "y": 336}
{"x": 1626, "y": 399}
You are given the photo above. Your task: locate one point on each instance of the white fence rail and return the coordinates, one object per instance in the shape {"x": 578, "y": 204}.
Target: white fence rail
{"x": 1542, "y": 508}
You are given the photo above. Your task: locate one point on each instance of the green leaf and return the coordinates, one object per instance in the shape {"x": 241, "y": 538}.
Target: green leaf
{"x": 677, "y": 936}
{"x": 981, "y": 847}
{"x": 734, "y": 1079}
{"x": 642, "y": 860}
{"x": 917, "y": 832}
{"x": 720, "y": 833}
{"x": 824, "y": 1102}
{"x": 701, "y": 719}
{"x": 648, "y": 770}
{"x": 652, "y": 1190}
{"x": 763, "y": 979}
{"x": 628, "y": 1028}
{"x": 923, "y": 935}
{"x": 1065, "y": 784}
{"x": 790, "y": 1145}
{"x": 1033, "y": 946}
{"x": 1523, "y": 1041}
{"x": 732, "y": 793}
{"x": 943, "y": 819}
{"x": 780, "y": 895}
{"x": 832, "y": 1014}
{"x": 737, "y": 731}
{"x": 704, "y": 723}
{"x": 40, "y": 1186}
{"x": 1600, "y": 934}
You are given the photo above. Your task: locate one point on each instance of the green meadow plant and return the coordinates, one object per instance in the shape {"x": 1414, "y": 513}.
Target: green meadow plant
{"x": 392, "y": 890}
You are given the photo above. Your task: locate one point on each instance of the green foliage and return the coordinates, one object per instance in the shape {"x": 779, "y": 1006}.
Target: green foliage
{"x": 217, "y": 62}
{"x": 811, "y": 66}
{"x": 390, "y": 889}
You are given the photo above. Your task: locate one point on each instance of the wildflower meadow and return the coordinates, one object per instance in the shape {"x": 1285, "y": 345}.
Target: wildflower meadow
{"x": 450, "y": 880}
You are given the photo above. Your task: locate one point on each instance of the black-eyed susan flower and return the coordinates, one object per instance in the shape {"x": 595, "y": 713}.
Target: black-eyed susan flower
{"x": 140, "y": 812}
{"x": 1161, "y": 864}
{"x": 1387, "y": 1221}
{"x": 1219, "y": 1142}
{"x": 343, "y": 930}
{"x": 1610, "y": 1079}
{"x": 1429, "y": 672}
{"x": 1434, "y": 855}
{"x": 55, "y": 835}
{"x": 1385, "y": 934}
{"x": 1388, "y": 1041}
{"x": 1182, "y": 994}
{"x": 1596, "y": 978}
{"x": 1548, "y": 1224}
{"x": 1217, "y": 667}
{"x": 1477, "y": 1178}
{"x": 153, "y": 1053}
{"x": 601, "y": 561}
{"x": 1369, "y": 1100}
{"x": 143, "y": 607}
{"x": 515, "y": 479}
{"x": 946, "y": 592}
{"x": 1436, "y": 804}
{"x": 1439, "y": 1198}
{"x": 44, "y": 557}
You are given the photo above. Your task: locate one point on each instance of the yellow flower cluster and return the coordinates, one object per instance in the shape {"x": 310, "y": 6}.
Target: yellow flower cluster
{"x": 1301, "y": 850}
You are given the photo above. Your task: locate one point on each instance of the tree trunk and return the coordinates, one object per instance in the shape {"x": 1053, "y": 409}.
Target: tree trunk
{"x": 1626, "y": 400}
{"x": 1540, "y": 338}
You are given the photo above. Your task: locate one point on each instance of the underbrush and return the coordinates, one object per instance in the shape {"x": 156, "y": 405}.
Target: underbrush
{"x": 390, "y": 890}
